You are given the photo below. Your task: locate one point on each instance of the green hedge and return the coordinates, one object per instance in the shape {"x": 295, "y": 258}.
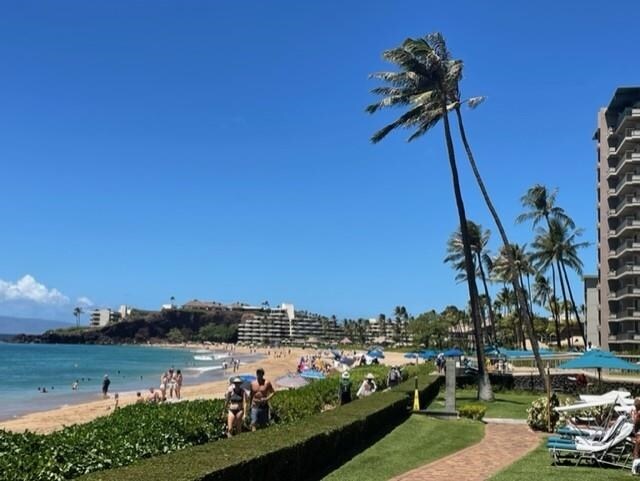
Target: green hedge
{"x": 303, "y": 450}
{"x": 141, "y": 431}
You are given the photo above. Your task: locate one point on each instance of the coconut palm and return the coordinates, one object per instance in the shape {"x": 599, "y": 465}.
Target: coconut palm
{"x": 479, "y": 238}
{"x": 544, "y": 296}
{"x": 77, "y": 312}
{"x": 557, "y": 247}
{"x": 453, "y": 94}
{"x": 426, "y": 73}
{"x": 542, "y": 205}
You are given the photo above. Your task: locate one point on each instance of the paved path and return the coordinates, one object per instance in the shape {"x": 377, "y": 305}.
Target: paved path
{"x": 501, "y": 446}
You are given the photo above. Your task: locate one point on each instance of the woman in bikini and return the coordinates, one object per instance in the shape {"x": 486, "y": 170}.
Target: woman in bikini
{"x": 236, "y": 400}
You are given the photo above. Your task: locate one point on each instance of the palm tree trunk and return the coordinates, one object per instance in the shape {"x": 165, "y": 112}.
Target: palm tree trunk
{"x": 556, "y": 314}
{"x": 530, "y": 297}
{"x": 566, "y": 306}
{"x": 528, "y": 322}
{"x": 485, "y": 392}
{"x": 489, "y": 305}
{"x": 573, "y": 304}
{"x": 524, "y": 340}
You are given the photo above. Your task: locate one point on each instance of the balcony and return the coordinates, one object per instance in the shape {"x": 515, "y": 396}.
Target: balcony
{"x": 624, "y": 337}
{"x": 628, "y": 158}
{"x": 627, "y": 246}
{"x": 628, "y": 181}
{"x": 630, "y": 134}
{"x": 624, "y": 271}
{"x": 625, "y": 116}
{"x": 627, "y": 224}
{"x": 625, "y": 205}
{"x": 627, "y": 291}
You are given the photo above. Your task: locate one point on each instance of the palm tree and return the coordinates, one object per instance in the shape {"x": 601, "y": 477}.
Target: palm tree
{"x": 545, "y": 297}
{"x": 77, "y": 312}
{"x": 542, "y": 205}
{"x": 426, "y": 74}
{"x": 453, "y": 94}
{"x": 479, "y": 238}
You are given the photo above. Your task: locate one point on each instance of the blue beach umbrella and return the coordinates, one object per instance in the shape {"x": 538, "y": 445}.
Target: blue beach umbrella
{"x": 292, "y": 381}
{"x": 427, "y": 354}
{"x": 376, "y": 353}
{"x": 599, "y": 360}
{"x": 312, "y": 374}
{"x": 455, "y": 352}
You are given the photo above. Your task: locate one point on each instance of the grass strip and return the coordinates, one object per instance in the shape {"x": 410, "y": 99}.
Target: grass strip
{"x": 416, "y": 442}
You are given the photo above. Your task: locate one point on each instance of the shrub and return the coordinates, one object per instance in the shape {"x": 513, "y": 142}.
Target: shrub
{"x": 472, "y": 411}
{"x": 538, "y": 413}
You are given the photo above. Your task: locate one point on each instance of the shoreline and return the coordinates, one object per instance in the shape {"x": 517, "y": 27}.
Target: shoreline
{"x": 50, "y": 420}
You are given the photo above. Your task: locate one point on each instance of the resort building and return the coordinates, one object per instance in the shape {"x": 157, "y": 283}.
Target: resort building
{"x": 618, "y": 174}
{"x": 591, "y": 324}
{"x": 103, "y": 317}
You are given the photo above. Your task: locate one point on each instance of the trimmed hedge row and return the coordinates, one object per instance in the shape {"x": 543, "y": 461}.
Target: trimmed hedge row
{"x": 305, "y": 450}
{"x": 142, "y": 431}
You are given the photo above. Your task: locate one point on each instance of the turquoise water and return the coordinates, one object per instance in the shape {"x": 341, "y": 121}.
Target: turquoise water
{"x": 25, "y": 367}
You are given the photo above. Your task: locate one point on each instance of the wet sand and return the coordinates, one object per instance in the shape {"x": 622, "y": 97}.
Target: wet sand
{"x": 48, "y": 421}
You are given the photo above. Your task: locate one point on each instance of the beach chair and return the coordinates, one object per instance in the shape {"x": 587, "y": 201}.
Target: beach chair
{"x": 616, "y": 450}
{"x": 570, "y": 435}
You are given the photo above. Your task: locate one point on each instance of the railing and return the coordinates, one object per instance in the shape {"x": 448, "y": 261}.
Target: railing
{"x": 627, "y": 202}
{"x": 622, "y": 270}
{"x": 628, "y": 156}
{"x": 628, "y": 112}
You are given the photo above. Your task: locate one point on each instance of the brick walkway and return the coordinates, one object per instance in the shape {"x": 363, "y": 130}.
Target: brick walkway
{"x": 501, "y": 446}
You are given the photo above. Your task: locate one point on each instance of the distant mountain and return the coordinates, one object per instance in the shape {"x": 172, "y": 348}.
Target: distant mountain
{"x": 23, "y": 325}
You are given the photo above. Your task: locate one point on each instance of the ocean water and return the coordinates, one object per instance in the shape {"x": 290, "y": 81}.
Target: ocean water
{"x": 25, "y": 367}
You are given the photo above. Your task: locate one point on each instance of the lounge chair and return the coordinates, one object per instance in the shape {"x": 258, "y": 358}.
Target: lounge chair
{"x": 616, "y": 450}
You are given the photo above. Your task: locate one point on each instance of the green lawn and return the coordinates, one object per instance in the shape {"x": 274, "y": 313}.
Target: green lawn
{"x": 507, "y": 404}
{"x": 537, "y": 467}
{"x": 417, "y": 441}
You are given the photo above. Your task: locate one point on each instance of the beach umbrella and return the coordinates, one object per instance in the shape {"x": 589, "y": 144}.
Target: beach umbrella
{"x": 427, "y": 354}
{"x": 312, "y": 374}
{"x": 376, "y": 353}
{"x": 455, "y": 352}
{"x": 599, "y": 360}
{"x": 291, "y": 381}
{"x": 345, "y": 340}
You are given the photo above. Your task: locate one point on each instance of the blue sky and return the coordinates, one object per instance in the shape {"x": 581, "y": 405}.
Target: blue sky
{"x": 219, "y": 150}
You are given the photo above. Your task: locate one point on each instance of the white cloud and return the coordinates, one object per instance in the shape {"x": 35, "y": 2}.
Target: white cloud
{"x": 84, "y": 301}
{"x": 28, "y": 289}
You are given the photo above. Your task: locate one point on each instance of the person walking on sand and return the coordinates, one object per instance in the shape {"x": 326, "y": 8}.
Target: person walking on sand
{"x": 178, "y": 383}
{"x": 236, "y": 400}
{"x": 105, "y": 386}
{"x": 368, "y": 386}
{"x": 261, "y": 391}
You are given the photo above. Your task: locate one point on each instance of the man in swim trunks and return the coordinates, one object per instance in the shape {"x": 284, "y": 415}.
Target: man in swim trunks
{"x": 261, "y": 391}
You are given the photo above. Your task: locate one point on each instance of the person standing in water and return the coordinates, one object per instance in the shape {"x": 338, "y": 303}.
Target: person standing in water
{"x": 105, "y": 386}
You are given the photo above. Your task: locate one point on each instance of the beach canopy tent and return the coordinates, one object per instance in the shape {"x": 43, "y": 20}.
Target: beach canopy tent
{"x": 596, "y": 359}
{"x": 376, "y": 353}
{"x": 312, "y": 374}
{"x": 455, "y": 352}
{"x": 345, "y": 340}
{"x": 291, "y": 381}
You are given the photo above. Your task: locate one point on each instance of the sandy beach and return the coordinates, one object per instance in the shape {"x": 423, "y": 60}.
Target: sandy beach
{"x": 51, "y": 420}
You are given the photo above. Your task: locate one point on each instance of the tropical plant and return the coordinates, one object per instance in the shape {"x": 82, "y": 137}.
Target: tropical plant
{"x": 479, "y": 238}
{"x": 77, "y": 312}
{"x": 543, "y": 296}
{"x": 426, "y": 74}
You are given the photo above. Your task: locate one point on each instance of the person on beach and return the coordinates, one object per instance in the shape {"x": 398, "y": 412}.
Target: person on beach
{"x": 178, "y": 381}
{"x": 368, "y": 386}
{"x": 172, "y": 382}
{"x": 261, "y": 391}
{"x": 153, "y": 397}
{"x": 344, "y": 391}
{"x": 164, "y": 381}
{"x": 105, "y": 386}
{"x": 139, "y": 398}
{"x": 236, "y": 400}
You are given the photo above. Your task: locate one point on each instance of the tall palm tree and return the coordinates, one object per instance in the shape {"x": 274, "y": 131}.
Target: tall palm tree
{"x": 453, "y": 94}
{"x": 426, "y": 74}
{"x": 541, "y": 204}
{"x": 545, "y": 297}
{"x": 77, "y": 312}
{"x": 479, "y": 238}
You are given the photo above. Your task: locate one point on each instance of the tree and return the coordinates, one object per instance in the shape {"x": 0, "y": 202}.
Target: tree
{"x": 77, "y": 312}
{"x": 479, "y": 238}
{"x": 544, "y": 296}
{"x": 426, "y": 74}
{"x": 556, "y": 247}
{"x": 175, "y": 336}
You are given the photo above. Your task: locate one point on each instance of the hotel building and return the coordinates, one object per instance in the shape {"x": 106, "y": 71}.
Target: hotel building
{"x": 618, "y": 176}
